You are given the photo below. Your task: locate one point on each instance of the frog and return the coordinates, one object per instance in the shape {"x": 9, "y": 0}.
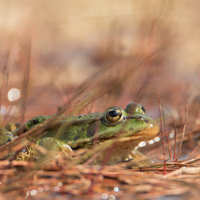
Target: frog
{"x": 126, "y": 128}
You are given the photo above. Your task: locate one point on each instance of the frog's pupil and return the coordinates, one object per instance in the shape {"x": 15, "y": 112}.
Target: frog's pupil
{"x": 113, "y": 113}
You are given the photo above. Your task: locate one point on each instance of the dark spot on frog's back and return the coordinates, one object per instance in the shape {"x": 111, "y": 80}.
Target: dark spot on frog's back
{"x": 9, "y": 140}
{"x": 76, "y": 138}
{"x": 35, "y": 121}
{"x": 91, "y": 130}
{"x": 131, "y": 129}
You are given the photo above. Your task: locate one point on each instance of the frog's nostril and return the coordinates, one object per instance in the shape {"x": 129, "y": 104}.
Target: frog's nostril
{"x": 139, "y": 118}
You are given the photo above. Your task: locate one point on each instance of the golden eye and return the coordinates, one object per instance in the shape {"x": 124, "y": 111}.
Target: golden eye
{"x": 114, "y": 114}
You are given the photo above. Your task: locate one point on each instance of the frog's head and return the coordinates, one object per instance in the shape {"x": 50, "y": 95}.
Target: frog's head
{"x": 118, "y": 129}
{"x": 130, "y": 124}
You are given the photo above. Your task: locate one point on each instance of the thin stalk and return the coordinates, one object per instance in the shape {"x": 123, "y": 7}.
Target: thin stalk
{"x": 183, "y": 133}
{"x": 26, "y": 82}
{"x": 161, "y": 126}
{"x": 175, "y": 130}
{"x": 193, "y": 152}
{"x": 166, "y": 134}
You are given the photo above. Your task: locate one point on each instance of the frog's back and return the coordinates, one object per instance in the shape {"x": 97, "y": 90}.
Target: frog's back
{"x": 72, "y": 128}
{"x": 79, "y": 118}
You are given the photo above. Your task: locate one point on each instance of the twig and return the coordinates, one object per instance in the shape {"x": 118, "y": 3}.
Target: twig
{"x": 193, "y": 152}
{"x": 175, "y": 130}
{"x": 186, "y": 117}
{"x": 166, "y": 134}
{"x": 26, "y": 81}
{"x": 161, "y": 126}
{"x": 182, "y": 170}
{"x": 145, "y": 83}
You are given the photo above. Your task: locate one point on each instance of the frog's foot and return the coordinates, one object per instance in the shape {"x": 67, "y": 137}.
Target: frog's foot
{"x": 12, "y": 126}
{"x": 139, "y": 159}
{"x": 52, "y": 146}
{"x": 30, "y": 154}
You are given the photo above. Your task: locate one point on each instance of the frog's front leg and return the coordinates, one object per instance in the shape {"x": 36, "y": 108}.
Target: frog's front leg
{"x": 55, "y": 145}
{"x": 139, "y": 158}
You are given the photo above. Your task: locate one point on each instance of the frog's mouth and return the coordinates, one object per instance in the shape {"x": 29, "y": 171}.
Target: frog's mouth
{"x": 140, "y": 135}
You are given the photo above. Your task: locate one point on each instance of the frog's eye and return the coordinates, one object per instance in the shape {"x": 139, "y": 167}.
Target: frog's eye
{"x": 114, "y": 114}
{"x": 135, "y": 108}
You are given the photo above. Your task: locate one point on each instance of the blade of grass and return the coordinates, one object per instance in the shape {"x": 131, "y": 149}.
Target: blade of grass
{"x": 166, "y": 133}
{"x": 161, "y": 126}
{"x": 183, "y": 133}
{"x": 175, "y": 130}
{"x": 26, "y": 81}
{"x": 193, "y": 152}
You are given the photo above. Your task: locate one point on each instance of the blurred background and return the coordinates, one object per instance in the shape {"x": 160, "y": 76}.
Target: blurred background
{"x": 54, "y": 53}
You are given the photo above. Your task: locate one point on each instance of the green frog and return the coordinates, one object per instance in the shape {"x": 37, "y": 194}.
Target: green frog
{"x": 126, "y": 128}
